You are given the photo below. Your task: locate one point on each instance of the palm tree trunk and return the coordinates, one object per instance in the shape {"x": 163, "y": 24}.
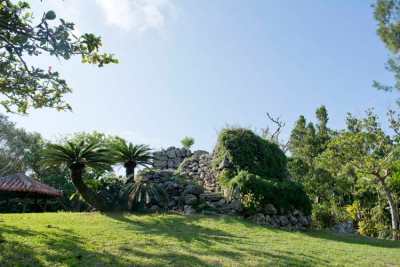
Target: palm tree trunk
{"x": 87, "y": 194}
{"x": 393, "y": 210}
{"x": 130, "y": 171}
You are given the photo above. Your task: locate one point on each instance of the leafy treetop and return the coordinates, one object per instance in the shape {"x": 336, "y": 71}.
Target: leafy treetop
{"x": 23, "y": 86}
{"x": 387, "y": 14}
{"x": 187, "y": 142}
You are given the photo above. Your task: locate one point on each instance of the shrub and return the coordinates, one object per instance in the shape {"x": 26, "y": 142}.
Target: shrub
{"x": 187, "y": 142}
{"x": 257, "y": 192}
{"x": 142, "y": 192}
{"x": 247, "y": 151}
{"x": 323, "y": 217}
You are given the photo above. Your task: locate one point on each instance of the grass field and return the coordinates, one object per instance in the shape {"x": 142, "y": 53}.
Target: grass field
{"x": 93, "y": 239}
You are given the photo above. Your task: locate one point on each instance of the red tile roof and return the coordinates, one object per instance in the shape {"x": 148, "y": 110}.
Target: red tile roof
{"x": 21, "y": 183}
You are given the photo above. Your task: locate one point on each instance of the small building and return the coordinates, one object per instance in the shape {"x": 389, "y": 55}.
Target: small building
{"x": 22, "y": 186}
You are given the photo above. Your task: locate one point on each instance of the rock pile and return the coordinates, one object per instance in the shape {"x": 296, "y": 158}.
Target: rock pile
{"x": 270, "y": 217}
{"x": 199, "y": 168}
{"x": 187, "y": 195}
{"x": 345, "y": 228}
{"x": 172, "y": 157}
{"x": 192, "y": 187}
{"x": 190, "y": 196}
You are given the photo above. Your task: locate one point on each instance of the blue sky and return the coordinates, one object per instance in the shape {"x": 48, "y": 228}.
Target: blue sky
{"x": 192, "y": 67}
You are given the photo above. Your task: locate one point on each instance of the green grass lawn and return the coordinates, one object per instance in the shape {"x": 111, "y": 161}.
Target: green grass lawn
{"x": 93, "y": 239}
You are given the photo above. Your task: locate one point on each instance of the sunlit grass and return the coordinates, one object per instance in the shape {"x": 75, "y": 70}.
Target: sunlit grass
{"x": 93, "y": 239}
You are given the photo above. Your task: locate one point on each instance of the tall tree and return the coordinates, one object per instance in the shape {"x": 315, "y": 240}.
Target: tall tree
{"x": 373, "y": 154}
{"x": 132, "y": 156}
{"x": 77, "y": 156}
{"x": 387, "y": 15}
{"x": 18, "y": 148}
{"x": 23, "y": 86}
{"x": 308, "y": 141}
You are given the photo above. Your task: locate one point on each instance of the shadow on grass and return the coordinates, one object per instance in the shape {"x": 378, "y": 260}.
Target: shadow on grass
{"x": 361, "y": 240}
{"x": 64, "y": 247}
{"x": 185, "y": 241}
{"x": 201, "y": 240}
{"x": 329, "y": 235}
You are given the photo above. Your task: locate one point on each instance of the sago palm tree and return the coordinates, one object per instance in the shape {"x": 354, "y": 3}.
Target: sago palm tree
{"x": 132, "y": 156}
{"x": 142, "y": 191}
{"x": 77, "y": 156}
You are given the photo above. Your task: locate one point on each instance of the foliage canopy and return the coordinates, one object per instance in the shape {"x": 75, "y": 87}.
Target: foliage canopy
{"x": 23, "y": 86}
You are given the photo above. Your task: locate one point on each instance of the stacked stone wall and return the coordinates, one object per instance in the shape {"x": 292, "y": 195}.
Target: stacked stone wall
{"x": 172, "y": 157}
{"x": 192, "y": 187}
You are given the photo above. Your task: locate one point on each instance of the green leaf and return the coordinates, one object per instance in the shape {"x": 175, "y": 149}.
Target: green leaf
{"x": 51, "y": 15}
{"x": 72, "y": 196}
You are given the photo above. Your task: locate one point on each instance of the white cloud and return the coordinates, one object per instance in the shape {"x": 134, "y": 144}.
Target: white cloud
{"x": 138, "y": 15}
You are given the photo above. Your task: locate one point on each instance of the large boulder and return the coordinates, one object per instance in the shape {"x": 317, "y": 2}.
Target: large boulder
{"x": 190, "y": 199}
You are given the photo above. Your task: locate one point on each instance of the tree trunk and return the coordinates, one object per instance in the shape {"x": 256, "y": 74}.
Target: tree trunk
{"x": 87, "y": 194}
{"x": 393, "y": 210}
{"x": 130, "y": 171}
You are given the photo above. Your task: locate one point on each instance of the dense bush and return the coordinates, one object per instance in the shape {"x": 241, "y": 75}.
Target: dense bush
{"x": 323, "y": 216}
{"x": 257, "y": 192}
{"x": 247, "y": 151}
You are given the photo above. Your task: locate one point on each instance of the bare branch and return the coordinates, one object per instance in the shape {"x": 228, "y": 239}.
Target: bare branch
{"x": 277, "y": 121}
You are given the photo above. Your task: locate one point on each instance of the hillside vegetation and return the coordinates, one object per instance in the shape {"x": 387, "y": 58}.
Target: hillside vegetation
{"x": 93, "y": 239}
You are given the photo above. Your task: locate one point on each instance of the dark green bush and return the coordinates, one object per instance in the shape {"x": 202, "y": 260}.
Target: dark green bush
{"x": 323, "y": 217}
{"x": 257, "y": 192}
{"x": 248, "y": 151}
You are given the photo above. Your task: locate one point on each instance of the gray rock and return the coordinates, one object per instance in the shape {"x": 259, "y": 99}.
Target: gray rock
{"x": 275, "y": 220}
{"x": 283, "y": 221}
{"x": 257, "y": 218}
{"x": 170, "y": 164}
{"x": 194, "y": 189}
{"x": 176, "y": 165}
{"x": 183, "y": 152}
{"x": 171, "y": 203}
{"x": 210, "y": 196}
{"x": 293, "y": 221}
{"x": 188, "y": 153}
{"x": 161, "y": 158}
{"x": 178, "y": 152}
{"x": 190, "y": 199}
{"x": 160, "y": 164}
{"x": 345, "y": 228}
{"x": 221, "y": 203}
{"x": 171, "y": 154}
{"x": 296, "y": 212}
{"x": 270, "y": 209}
{"x": 224, "y": 164}
{"x": 303, "y": 220}
{"x": 236, "y": 192}
{"x": 154, "y": 208}
{"x": 159, "y": 153}
{"x": 171, "y": 148}
{"x": 237, "y": 205}
{"x": 178, "y": 160}
{"x": 200, "y": 152}
{"x": 188, "y": 209}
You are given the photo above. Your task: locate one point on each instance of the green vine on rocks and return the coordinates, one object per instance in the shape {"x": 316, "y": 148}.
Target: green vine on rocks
{"x": 247, "y": 151}
{"x": 257, "y": 192}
